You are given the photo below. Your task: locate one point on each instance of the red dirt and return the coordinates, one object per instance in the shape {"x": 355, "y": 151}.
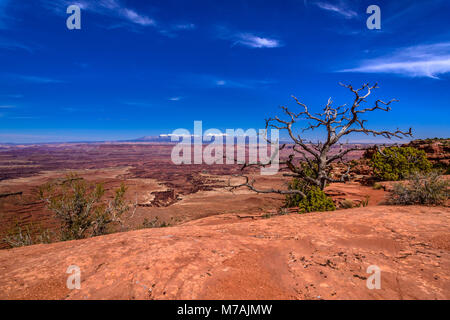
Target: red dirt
{"x": 173, "y": 193}
{"x": 223, "y": 245}
{"x": 312, "y": 256}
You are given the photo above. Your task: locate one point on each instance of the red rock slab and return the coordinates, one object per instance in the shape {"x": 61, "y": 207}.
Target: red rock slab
{"x": 310, "y": 256}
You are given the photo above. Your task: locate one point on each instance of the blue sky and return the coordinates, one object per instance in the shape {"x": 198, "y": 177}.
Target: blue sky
{"x": 148, "y": 67}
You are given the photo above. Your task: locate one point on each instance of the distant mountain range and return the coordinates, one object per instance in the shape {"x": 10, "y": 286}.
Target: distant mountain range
{"x": 163, "y": 138}
{"x": 167, "y": 138}
{"x": 150, "y": 139}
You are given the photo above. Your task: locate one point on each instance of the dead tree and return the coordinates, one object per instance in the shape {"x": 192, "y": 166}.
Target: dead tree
{"x": 338, "y": 122}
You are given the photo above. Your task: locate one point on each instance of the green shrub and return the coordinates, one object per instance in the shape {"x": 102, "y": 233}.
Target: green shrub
{"x": 81, "y": 209}
{"x": 377, "y": 186}
{"x": 316, "y": 200}
{"x": 347, "y": 204}
{"x": 397, "y": 163}
{"x": 365, "y": 202}
{"x": 19, "y": 236}
{"x": 293, "y": 200}
{"x": 155, "y": 223}
{"x": 442, "y": 167}
{"x": 422, "y": 188}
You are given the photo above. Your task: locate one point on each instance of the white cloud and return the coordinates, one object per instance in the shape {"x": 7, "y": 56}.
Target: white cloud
{"x": 137, "y": 103}
{"x": 7, "y": 107}
{"x": 219, "y": 81}
{"x": 13, "y": 45}
{"x": 340, "y": 9}
{"x": 253, "y": 41}
{"x": 12, "y": 96}
{"x": 247, "y": 39}
{"x": 31, "y": 78}
{"x": 3, "y": 16}
{"x": 242, "y": 83}
{"x": 134, "y": 17}
{"x": 175, "y": 99}
{"x": 114, "y": 8}
{"x": 124, "y": 15}
{"x": 186, "y": 26}
{"x": 429, "y": 60}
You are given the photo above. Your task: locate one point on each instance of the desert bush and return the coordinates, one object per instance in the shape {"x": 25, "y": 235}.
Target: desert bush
{"x": 422, "y": 188}
{"x": 293, "y": 200}
{"x": 155, "y": 223}
{"x": 80, "y": 207}
{"x": 377, "y": 186}
{"x": 397, "y": 163}
{"x": 347, "y": 204}
{"x": 365, "y": 202}
{"x": 267, "y": 215}
{"x": 23, "y": 236}
{"x": 316, "y": 200}
{"x": 442, "y": 167}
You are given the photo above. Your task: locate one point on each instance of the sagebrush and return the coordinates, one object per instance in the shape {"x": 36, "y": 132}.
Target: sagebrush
{"x": 397, "y": 163}
{"x": 422, "y": 188}
{"x": 20, "y": 236}
{"x": 81, "y": 207}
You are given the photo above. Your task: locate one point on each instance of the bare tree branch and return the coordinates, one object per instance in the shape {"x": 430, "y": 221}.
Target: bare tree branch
{"x": 338, "y": 122}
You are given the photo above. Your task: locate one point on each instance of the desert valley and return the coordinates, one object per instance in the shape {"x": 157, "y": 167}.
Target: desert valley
{"x": 224, "y": 159}
{"x": 190, "y": 237}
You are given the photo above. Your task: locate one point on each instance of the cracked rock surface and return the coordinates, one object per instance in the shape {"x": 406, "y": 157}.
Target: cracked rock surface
{"x": 312, "y": 256}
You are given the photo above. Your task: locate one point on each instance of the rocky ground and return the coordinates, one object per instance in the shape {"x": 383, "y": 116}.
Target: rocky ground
{"x": 311, "y": 256}
{"x": 172, "y": 193}
{"x": 220, "y": 245}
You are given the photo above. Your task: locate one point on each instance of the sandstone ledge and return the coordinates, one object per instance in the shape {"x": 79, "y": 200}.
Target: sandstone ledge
{"x": 312, "y": 256}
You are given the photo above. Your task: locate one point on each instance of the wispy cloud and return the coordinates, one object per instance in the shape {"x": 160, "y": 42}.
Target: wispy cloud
{"x": 184, "y": 26}
{"x": 13, "y": 45}
{"x": 112, "y": 8}
{"x": 175, "y": 99}
{"x": 429, "y": 60}
{"x": 218, "y": 81}
{"x": 254, "y": 41}
{"x": 32, "y": 78}
{"x": 14, "y": 96}
{"x": 3, "y": 16}
{"x": 247, "y": 39}
{"x": 241, "y": 83}
{"x": 137, "y": 103}
{"x": 172, "y": 30}
{"x": 137, "y": 18}
{"x": 24, "y": 117}
{"x": 123, "y": 15}
{"x": 341, "y": 8}
{"x": 70, "y": 109}
{"x": 7, "y": 107}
